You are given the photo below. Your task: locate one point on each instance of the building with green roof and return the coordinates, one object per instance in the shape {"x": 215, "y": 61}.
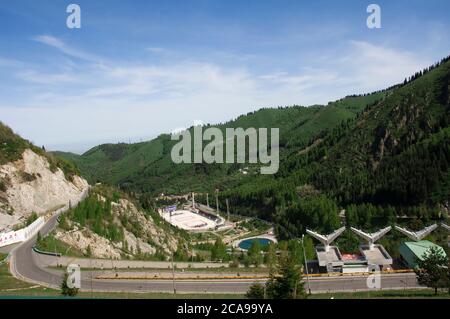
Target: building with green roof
{"x": 412, "y": 251}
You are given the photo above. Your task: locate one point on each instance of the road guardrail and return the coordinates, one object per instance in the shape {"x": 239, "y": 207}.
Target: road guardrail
{"x": 37, "y": 250}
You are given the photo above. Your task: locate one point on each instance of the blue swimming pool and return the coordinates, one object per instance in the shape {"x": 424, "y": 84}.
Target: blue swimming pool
{"x": 247, "y": 243}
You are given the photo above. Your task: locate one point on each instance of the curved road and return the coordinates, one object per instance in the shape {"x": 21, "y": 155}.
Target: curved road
{"x": 25, "y": 265}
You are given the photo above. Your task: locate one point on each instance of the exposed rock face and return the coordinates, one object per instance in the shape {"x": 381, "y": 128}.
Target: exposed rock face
{"x": 143, "y": 238}
{"x": 31, "y": 186}
{"x": 148, "y": 231}
{"x": 85, "y": 240}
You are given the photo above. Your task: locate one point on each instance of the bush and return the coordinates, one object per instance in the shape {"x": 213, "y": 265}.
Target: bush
{"x": 2, "y": 186}
{"x": 65, "y": 289}
{"x": 234, "y": 263}
{"x": 256, "y": 291}
{"x": 31, "y": 218}
{"x": 26, "y": 177}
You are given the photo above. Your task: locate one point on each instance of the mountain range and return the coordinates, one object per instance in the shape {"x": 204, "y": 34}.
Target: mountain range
{"x": 386, "y": 153}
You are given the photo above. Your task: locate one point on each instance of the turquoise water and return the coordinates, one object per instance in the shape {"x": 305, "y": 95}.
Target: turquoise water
{"x": 246, "y": 244}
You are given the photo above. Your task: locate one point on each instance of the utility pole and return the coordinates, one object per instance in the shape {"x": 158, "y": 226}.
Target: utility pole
{"x": 217, "y": 200}
{"x": 173, "y": 276}
{"x": 92, "y": 288}
{"x": 295, "y": 290}
{"x": 207, "y": 200}
{"x": 228, "y": 210}
{"x": 306, "y": 264}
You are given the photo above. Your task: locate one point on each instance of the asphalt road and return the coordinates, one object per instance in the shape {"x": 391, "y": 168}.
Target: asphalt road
{"x": 26, "y": 266}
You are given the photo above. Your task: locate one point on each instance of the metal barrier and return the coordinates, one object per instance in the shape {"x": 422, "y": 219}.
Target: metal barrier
{"x": 37, "y": 250}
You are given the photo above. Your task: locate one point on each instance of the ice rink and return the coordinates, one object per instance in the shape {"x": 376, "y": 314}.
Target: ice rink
{"x": 188, "y": 220}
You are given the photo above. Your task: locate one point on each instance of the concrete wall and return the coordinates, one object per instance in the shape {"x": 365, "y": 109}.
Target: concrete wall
{"x": 23, "y": 234}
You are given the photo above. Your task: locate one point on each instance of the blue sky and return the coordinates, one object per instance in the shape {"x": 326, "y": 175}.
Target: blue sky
{"x": 139, "y": 68}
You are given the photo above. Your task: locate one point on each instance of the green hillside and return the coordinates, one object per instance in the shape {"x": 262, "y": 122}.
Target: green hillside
{"x": 377, "y": 156}
{"x": 392, "y": 160}
{"x": 147, "y": 166}
{"x": 397, "y": 151}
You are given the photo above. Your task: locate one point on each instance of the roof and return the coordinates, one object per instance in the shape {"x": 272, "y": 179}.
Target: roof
{"x": 412, "y": 250}
{"x": 333, "y": 256}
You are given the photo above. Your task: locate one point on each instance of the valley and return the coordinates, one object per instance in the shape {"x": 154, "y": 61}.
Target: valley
{"x": 367, "y": 161}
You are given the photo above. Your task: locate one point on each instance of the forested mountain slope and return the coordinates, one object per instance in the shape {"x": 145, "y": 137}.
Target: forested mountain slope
{"x": 397, "y": 151}
{"x": 148, "y": 167}
{"x": 392, "y": 160}
{"x": 377, "y": 156}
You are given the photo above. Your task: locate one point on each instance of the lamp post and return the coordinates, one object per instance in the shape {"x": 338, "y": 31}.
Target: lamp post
{"x": 217, "y": 200}
{"x": 173, "y": 276}
{"x": 306, "y": 264}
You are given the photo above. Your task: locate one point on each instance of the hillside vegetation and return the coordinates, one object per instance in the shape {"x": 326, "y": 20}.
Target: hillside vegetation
{"x": 147, "y": 167}
{"x": 379, "y": 157}
{"x": 12, "y": 147}
{"x": 392, "y": 160}
{"x": 32, "y": 181}
{"x": 110, "y": 224}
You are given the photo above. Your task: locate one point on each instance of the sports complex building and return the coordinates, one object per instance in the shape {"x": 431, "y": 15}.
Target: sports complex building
{"x": 193, "y": 218}
{"x": 371, "y": 256}
{"x": 330, "y": 259}
{"x": 191, "y": 221}
{"x": 413, "y": 251}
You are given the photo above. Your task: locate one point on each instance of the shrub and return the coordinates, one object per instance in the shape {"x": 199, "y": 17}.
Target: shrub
{"x": 65, "y": 289}
{"x": 2, "y": 185}
{"x": 256, "y": 291}
{"x": 26, "y": 177}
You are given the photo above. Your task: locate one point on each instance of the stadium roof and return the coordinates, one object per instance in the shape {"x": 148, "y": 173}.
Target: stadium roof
{"x": 413, "y": 250}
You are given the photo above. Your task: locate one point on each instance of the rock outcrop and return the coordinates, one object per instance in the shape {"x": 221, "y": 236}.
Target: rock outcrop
{"x": 30, "y": 185}
{"x": 141, "y": 235}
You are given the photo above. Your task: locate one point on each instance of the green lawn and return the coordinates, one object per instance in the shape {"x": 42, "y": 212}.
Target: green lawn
{"x": 52, "y": 293}
{"x": 388, "y": 294}
{"x": 7, "y": 281}
{"x": 227, "y": 270}
{"x": 53, "y": 245}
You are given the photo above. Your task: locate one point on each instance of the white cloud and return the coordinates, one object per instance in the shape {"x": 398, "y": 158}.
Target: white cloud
{"x": 115, "y": 101}
{"x": 64, "y": 48}
{"x": 369, "y": 67}
{"x": 44, "y": 78}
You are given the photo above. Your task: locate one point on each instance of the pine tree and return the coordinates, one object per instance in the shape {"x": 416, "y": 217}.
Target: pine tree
{"x": 431, "y": 270}
{"x": 256, "y": 291}
{"x": 65, "y": 289}
{"x": 287, "y": 283}
{"x": 271, "y": 257}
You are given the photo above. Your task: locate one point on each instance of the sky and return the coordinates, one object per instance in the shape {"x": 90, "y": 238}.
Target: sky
{"x": 136, "y": 69}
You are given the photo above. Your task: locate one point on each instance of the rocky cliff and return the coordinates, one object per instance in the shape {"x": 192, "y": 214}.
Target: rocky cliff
{"x": 141, "y": 235}
{"x": 30, "y": 184}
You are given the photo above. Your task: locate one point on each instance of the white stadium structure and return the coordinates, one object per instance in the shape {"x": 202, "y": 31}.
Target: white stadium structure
{"x": 190, "y": 221}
